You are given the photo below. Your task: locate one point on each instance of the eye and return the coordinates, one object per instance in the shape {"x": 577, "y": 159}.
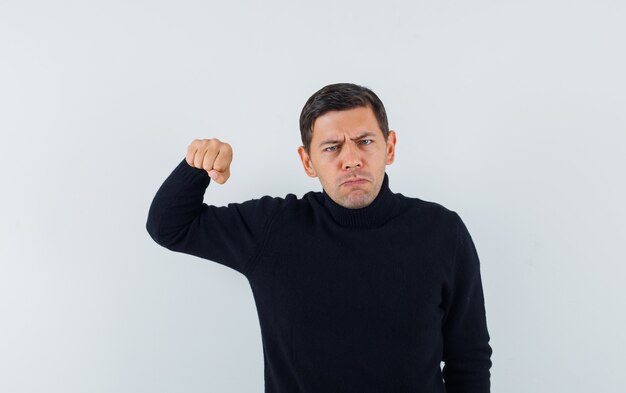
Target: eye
{"x": 368, "y": 140}
{"x": 331, "y": 147}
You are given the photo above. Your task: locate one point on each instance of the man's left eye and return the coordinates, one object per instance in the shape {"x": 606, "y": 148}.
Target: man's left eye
{"x": 364, "y": 140}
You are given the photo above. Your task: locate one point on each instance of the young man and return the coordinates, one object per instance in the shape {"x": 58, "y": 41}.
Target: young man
{"x": 357, "y": 288}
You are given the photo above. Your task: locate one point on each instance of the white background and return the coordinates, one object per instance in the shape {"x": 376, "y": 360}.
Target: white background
{"x": 510, "y": 113}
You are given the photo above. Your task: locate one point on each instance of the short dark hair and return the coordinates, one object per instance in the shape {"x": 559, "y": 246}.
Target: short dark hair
{"x": 339, "y": 96}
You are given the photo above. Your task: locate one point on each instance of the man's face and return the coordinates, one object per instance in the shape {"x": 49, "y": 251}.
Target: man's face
{"x": 348, "y": 145}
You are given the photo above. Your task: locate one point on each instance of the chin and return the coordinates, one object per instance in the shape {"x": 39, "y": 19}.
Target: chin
{"x": 357, "y": 203}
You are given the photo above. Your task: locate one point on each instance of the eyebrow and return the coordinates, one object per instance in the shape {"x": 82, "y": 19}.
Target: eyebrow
{"x": 363, "y": 135}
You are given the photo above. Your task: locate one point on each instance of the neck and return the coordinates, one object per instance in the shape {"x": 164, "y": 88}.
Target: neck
{"x": 371, "y": 215}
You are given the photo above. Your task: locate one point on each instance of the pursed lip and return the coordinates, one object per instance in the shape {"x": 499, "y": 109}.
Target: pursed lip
{"x": 356, "y": 179}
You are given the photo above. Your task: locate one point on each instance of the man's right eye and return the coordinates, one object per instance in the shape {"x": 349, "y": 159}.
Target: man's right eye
{"x": 330, "y": 147}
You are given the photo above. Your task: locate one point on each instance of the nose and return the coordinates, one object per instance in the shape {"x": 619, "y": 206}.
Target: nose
{"x": 351, "y": 157}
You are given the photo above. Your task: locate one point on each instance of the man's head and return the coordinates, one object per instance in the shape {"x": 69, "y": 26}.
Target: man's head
{"x": 345, "y": 136}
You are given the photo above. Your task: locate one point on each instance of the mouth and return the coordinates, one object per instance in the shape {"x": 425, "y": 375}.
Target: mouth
{"x": 354, "y": 182}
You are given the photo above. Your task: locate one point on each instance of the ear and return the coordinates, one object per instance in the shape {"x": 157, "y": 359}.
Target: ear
{"x": 391, "y": 146}
{"x": 306, "y": 162}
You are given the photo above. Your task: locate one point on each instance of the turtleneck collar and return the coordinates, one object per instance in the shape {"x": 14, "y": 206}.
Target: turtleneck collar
{"x": 372, "y": 215}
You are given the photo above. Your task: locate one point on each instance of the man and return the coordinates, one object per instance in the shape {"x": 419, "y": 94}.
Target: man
{"x": 357, "y": 288}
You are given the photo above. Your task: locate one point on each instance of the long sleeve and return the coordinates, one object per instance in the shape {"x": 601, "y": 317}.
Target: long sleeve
{"x": 467, "y": 353}
{"x": 180, "y": 221}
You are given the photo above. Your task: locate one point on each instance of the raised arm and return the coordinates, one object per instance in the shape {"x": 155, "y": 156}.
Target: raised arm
{"x": 180, "y": 221}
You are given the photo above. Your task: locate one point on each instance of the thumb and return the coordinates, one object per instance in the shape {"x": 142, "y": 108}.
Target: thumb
{"x": 219, "y": 177}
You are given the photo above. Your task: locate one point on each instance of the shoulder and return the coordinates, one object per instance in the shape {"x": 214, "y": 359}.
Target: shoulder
{"x": 267, "y": 204}
{"x": 271, "y": 204}
{"x": 428, "y": 209}
{"x": 443, "y": 217}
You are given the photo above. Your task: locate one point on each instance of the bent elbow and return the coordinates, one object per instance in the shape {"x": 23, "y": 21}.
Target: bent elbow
{"x": 153, "y": 230}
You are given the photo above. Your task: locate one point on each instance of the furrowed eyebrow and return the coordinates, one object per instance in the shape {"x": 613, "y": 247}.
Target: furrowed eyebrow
{"x": 363, "y": 135}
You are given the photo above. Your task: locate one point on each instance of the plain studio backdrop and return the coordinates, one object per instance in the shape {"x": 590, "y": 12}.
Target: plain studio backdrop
{"x": 510, "y": 113}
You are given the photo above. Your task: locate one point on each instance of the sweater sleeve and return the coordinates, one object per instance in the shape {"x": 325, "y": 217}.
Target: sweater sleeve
{"x": 467, "y": 353}
{"x": 180, "y": 221}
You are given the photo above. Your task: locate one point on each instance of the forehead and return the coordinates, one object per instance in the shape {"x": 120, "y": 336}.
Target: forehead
{"x": 354, "y": 120}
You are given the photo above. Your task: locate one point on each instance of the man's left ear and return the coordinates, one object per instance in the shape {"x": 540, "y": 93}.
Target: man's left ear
{"x": 391, "y": 146}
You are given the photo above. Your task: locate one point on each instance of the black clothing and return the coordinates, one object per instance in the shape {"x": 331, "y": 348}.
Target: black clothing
{"x": 349, "y": 300}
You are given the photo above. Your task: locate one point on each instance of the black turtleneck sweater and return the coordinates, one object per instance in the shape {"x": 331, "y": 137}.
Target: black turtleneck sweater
{"x": 349, "y": 300}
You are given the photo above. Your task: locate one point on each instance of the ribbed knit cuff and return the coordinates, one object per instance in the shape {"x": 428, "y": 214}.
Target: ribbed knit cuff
{"x": 190, "y": 175}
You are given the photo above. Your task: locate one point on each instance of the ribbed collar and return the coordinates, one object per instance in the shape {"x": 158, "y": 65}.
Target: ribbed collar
{"x": 372, "y": 215}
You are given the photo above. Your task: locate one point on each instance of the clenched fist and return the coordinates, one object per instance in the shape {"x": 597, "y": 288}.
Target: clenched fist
{"x": 212, "y": 155}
